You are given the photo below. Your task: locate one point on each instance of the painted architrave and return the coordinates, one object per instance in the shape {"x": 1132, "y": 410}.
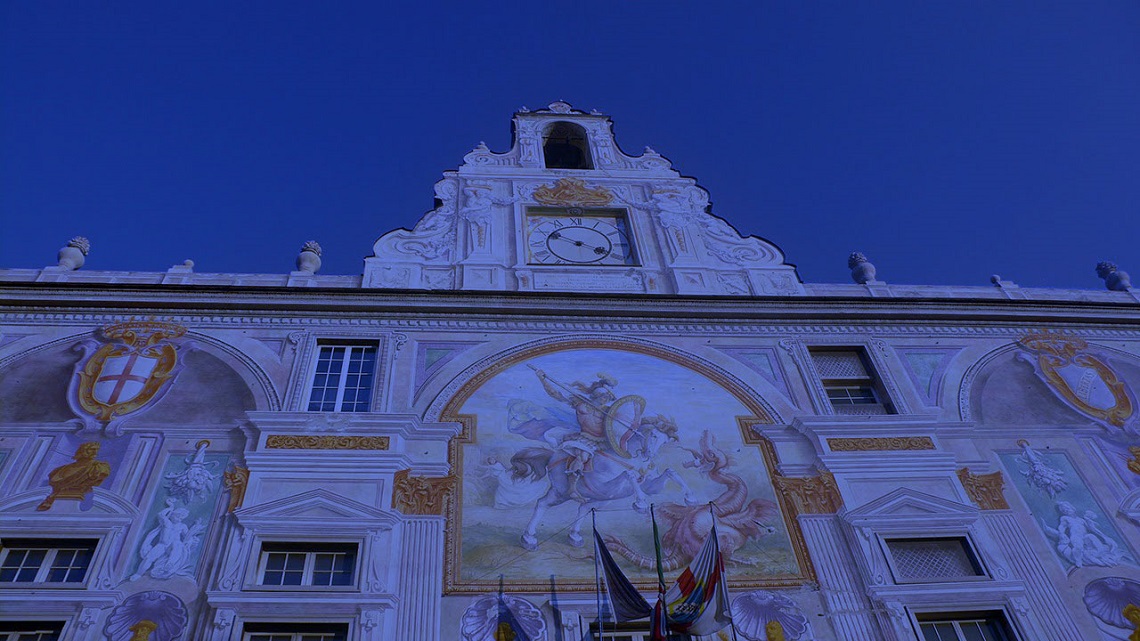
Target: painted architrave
{"x": 612, "y": 361}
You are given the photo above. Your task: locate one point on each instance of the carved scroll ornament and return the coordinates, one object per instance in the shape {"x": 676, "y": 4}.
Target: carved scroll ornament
{"x": 879, "y": 444}
{"x": 421, "y": 494}
{"x": 985, "y": 490}
{"x": 328, "y": 442}
{"x": 236, "y": 480}
{"x": 811, "y": 494}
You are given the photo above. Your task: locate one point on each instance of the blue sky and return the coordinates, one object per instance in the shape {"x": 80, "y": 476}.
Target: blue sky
{"x": 948, "y": 141}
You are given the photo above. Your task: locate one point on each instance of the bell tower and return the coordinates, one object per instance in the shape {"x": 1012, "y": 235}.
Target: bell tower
{"x": 566, "y": 210}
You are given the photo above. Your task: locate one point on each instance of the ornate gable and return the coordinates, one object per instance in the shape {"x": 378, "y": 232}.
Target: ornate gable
{"x": 317, "y": 507}
{"x": 566, "y": 210}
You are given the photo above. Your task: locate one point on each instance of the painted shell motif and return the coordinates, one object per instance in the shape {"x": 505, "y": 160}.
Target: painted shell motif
{"x": 1106, "y": 599}
{"x": 755, "y": 609}
{"x": 482, "y": 616}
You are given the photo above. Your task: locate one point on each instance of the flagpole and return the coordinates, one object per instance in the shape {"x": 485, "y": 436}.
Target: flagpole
{"x": 597, "y": 573}
{"x": 724, "y": 577}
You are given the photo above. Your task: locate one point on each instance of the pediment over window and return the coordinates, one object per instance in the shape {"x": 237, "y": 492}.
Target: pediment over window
{"x": 317, "y": 507}
{"x": 907, "y": 508}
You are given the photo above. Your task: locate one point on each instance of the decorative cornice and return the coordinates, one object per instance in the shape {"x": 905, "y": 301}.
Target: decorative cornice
{"x": 421, "y": 494}
{"x": 985, "y": 490}
{"x": 880, "y": 444}
{"x": 326, "y": 442}
{"x": 810, "y": 494}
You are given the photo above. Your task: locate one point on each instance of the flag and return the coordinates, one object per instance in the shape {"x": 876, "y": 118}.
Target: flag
{"x": 626, "y": 602}
{"x": 697, "y": 604}
{"x": 659, "y": 627}
{"x": 507, "y": 627}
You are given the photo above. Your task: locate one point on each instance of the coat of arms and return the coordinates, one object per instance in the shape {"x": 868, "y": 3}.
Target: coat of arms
{"x": 1081, "y": 379}
{"x": 130, "y": 370}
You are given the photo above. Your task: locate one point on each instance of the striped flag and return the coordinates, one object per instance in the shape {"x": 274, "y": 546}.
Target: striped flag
{"x": 698, "y": 603}
{"x": 626, "y": 601}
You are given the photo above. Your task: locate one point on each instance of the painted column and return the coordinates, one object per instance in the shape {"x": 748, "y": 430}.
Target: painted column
{"x": 420, "y": 578}
{"x": 1045, "y": 604}
{"x": 839, "y": 583}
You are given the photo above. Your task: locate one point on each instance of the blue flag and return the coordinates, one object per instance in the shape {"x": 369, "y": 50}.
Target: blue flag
{"x": 626, "y": 601}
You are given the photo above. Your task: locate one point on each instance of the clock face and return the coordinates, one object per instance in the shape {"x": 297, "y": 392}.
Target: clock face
{"x": 579, "y": 237}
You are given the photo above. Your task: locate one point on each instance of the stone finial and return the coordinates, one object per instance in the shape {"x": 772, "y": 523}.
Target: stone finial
{"x": 309, "y": 260}
{"x": 1115, "y": 279}
{"x": 862, "y": 271}
{"x": 72, "y": 255}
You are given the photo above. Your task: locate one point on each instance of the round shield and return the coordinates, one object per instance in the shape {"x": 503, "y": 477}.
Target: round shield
{"x": 622, "y": 420}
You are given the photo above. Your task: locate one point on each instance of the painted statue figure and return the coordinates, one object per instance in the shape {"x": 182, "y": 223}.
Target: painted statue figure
{"x": 168, "y": 549}
{"x": 738, "y": 520}
{"x": 608, "y": 455}
{"x": 196, "y": 480}
{"x": 76, "y": 479}
{"x": 1081, "y": 541}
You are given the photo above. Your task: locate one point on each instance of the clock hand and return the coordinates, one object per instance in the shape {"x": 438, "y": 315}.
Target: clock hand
{"x": 577, "y": 243}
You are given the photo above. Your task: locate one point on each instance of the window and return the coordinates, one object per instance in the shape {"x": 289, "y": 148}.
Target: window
{"x": 629, "y": 632}
{"x": 564, "y": 147}
{"x": 295, "y": 632}
{"x": 967, "y": 626}
{"x": 929, "y": 560}
{"x": 850, "y": 382}
{"x": 45, "y": 560}
{"x": 30, "y": 631}
{"x": 310, "y": 565}
{"x": 342, "y": 381}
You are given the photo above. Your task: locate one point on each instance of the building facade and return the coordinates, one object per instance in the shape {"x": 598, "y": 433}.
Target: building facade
{"x": 566, "y": 339}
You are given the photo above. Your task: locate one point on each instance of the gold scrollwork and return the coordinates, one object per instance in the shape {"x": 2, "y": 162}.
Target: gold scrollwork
{"x": 880, "y": 443}
{"x": 326, "y": 442}
{"x": 572, "y": 191}
{"x": 985, "y": 490}
{"x": 810, "y": 494}
{"x": 421, "y": 494}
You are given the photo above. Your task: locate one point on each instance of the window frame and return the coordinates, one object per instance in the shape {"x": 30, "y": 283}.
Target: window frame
{"x": 874, "y": 380}
{"x": 295, "y": 631}
{"x": 53, "y": 547}
{"x": 9, "y": 629}
{"x": 996, "y": 615}
{"x": 310, "y": 549}
{"x": 963, "y": 537}
{"x": 311, "y": 376}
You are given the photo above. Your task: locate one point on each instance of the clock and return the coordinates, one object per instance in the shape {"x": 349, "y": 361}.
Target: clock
{"x": 579, "y": 237}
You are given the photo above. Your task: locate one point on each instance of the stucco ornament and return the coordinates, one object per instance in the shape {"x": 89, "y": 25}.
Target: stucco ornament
{"x": 1115, "y": 279}
{"x": 756, "y": 611}
{"x": 1038, "y": 473}
{"x": 481, "y": 618}
{"x": 862, "y": 271}
{"x": 74, "y": 253}
{"x": 195, "y": 482}
{"x": 129, "y": 371}
{"x": 1080, "y": 378}
{"x": 433, "y": 237}
{"x": 1107, "y": 599}
{"x": 164, "y": 610}
{"x": 1080, "y": 540}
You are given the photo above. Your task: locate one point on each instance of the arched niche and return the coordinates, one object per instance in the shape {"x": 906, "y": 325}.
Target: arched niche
{"x": 516, "y": 427}
{"x": 1007, "y": 386}
{"x": 565, "y": 145}
{"x": 212, "y": 385}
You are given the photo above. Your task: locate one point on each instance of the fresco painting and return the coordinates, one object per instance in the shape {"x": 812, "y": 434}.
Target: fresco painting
{"x": 1079, "y": 531}
{"x": 567, "y": 437}
{"x": 179, "y": 516}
